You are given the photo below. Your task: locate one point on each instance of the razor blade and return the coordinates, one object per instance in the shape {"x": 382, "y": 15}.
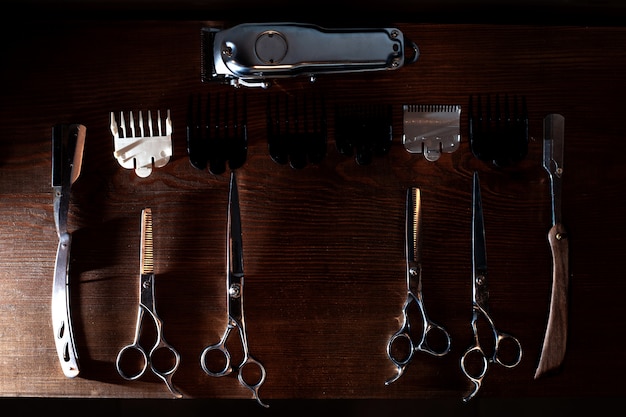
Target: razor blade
{"x": 431, "y": 129}
{"x": 253, "y": 54}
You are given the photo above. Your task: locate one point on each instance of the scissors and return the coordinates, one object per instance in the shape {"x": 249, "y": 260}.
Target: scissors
{"x": 161, "y": 348}
{"x": 234, "y": 301}
{"x": 480, "y": 306}
{"x": 414, "y": 294}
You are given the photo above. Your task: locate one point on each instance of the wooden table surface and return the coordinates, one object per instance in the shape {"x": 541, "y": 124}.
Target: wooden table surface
{"x": 323, "y": 245}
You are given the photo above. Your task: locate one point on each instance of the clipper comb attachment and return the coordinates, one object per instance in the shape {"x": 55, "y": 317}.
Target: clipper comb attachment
{"x": 431, "y": 129}
{"x": 364, "y": 131}
{"x": 498, "y": 130}
{"x": 134, "y": 149}
{"x": 217, "y": 132}
{"x": 296, "y": 130}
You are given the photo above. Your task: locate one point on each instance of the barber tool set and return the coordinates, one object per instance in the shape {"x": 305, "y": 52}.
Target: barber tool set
{"x": 298, "y": 130}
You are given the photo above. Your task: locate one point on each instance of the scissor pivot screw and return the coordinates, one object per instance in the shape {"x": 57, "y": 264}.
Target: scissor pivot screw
{"x": 560, "y": 236}
{"x": 480, "y": 279}
{"x": 413, "y": 271}
{"x": 235, "y": 290}
{"x": 146, "y": 284}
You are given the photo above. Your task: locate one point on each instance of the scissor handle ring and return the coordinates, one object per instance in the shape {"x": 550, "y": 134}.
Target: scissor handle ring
{"x": 118, "y": 362}
{"x": 404, "y": 335}
{"x": 496, "y": 356}
{"x": 164, "y": 346}
{"x": 221, "y": 348}
{"x": 252, "y": 387}
{"x": 424, "y": 346}
{"x": 251, "y": 362}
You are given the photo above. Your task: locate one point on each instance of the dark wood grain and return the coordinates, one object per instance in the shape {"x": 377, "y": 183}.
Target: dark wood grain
{"x": 323, "y": 245}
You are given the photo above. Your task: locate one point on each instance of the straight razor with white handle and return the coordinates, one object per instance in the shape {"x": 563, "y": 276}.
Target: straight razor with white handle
{"x": 67, "y": 153}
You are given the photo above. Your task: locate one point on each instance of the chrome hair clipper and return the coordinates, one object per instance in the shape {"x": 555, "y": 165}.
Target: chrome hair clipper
{"x": 252, "y": 54}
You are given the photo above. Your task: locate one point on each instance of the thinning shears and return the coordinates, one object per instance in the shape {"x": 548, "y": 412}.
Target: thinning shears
{"x": 234, "y": 301}
{"x": 167, "y": 356}
{"x": 480, "y": 309}
{"x": 414, "y": 295}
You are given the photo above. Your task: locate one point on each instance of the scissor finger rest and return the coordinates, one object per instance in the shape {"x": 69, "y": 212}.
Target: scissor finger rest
{"x": 253, "y": 370}
{"x": 474, "y": 365}
{"x": 164, "y": 361}
{"x": 400, "y": 350}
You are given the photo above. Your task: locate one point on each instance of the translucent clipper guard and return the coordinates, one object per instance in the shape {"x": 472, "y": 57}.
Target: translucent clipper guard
{"x": 431, "y": 129}
{"x": 134, "y": 149}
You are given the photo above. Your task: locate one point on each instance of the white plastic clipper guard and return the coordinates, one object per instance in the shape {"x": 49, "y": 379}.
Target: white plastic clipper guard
{"x": 134, "y": 149}
{"x": 431, "y": 129}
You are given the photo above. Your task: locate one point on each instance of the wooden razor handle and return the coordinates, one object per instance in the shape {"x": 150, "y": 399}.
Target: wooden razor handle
{"x": 555, "y": 339}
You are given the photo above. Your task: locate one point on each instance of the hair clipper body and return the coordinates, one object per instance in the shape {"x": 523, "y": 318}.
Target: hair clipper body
{"x": 253, "y": 54}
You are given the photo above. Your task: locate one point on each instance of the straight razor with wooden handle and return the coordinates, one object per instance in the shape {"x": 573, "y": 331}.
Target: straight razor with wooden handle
{"x": 555, "y": 339}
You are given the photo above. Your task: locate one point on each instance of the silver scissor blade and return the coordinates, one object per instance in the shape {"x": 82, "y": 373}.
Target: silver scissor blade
{"x": 235, "y": 241}
{"x": 413, "y": 223}
{"x": 479, "y": 246}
